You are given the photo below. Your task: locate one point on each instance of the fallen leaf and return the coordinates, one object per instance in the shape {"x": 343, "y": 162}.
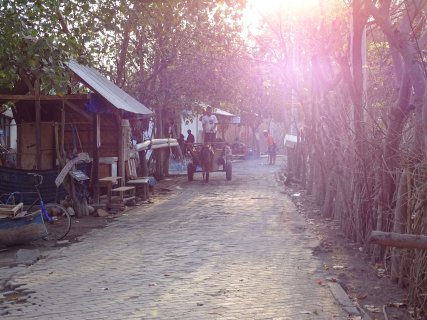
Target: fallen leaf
{"x": 372, "y": 308}
{"x": 362, "y": 296}
{"x": 397, "y": 304}
{"x": 338, "y": 267}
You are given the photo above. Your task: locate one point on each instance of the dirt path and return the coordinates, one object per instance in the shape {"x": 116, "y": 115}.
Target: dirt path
{"x": 365, "y": 283}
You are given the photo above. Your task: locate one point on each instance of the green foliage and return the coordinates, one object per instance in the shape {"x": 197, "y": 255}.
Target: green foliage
{"x": 32, "y": 45}
{"x": 172, "y": 55}
{"x": 180, "y": 53}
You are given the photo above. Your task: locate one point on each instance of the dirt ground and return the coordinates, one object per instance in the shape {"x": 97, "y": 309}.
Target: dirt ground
{"x": 366, "y": 284}
{"x": 79, "y": 226}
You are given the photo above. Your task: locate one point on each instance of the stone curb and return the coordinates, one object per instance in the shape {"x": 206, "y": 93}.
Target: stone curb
{"x": 344, "y": 301}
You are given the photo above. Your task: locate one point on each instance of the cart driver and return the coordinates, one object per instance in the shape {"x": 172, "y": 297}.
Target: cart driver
{"x": 209, "y": 124}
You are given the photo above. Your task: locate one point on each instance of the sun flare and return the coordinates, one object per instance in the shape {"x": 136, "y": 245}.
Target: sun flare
{"x": 257, "y": 10}
{"x": 294, "y": 6}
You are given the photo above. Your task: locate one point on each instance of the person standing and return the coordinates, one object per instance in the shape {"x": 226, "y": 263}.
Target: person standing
{"x": 190, "y": 137}
{"x": 209, "y": 124}
{"x": 182, "y": 146}
{"x": 271, "y": 147}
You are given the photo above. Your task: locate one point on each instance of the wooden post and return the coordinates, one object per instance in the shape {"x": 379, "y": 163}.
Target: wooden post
{"x": 19, "y": 144}
{"x": 38, "y": 127}
{"x": 126, "y": 137}
{"x": 398, "y": 240}
{"x": 62, "y": 148}
{"x": 143, "y": 163}
{"x": 95, "y": 162}
{"x": 121, "y": 161}
{"x": 160, "y": 153}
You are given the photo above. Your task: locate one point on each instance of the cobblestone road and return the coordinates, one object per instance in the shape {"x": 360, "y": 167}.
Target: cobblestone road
{"x": 224, "y": 250}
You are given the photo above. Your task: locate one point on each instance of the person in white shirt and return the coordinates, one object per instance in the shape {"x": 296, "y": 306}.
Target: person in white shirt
{"x": 209, "y": 124}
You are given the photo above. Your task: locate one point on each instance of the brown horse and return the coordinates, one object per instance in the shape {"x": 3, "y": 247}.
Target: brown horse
{"x": 206, "y": 158}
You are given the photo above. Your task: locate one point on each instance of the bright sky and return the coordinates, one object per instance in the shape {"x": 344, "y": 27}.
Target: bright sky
{"x": 258, "y": 10}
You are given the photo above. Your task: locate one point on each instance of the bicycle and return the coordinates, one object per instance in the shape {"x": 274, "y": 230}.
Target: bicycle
{"x": 57, "y": 220}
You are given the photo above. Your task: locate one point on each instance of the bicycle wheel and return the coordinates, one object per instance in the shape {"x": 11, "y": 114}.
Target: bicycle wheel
{"x": 60, "y": 225}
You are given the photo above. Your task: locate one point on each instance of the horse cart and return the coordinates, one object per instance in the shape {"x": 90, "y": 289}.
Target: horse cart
{"x": 206, "y": 158}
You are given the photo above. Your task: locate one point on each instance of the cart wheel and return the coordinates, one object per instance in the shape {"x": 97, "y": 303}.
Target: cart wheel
{"x": 228, "y": 170}
{"x": 190, "y": 172}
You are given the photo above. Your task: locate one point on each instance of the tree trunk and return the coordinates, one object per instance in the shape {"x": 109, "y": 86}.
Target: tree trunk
{"x": 399, "y": 225}
{"x": 327, "y": 209}
{"x": 80, "y": 204}
{"x": 121, "y": 63}
{"x": 310, "y": 180}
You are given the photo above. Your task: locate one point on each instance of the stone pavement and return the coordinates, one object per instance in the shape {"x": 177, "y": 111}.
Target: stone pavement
{"x": 223, "y": 250}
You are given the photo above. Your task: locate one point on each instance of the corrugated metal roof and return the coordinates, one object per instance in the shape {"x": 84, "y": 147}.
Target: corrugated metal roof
{"x": 115, "y": 95}
{"x": 217, "y": 111}
{"x": 221, "y": 112}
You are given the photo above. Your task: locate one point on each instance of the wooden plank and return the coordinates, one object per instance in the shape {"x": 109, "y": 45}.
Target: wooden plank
{"x": 123, "y": 189}
{"x": 11, "y": 209}
{"x": 27, "y": 145}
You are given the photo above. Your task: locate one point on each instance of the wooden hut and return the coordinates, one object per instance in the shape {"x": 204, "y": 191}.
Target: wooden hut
{"x": 52, "y": 129}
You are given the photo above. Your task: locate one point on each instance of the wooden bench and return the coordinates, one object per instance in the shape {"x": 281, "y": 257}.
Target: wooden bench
{"x": 126, "y": 194}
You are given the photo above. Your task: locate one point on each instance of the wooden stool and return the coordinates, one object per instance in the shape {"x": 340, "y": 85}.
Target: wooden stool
{"x": 109, "y": 182}
{"x": 141, "y": 184}
{"x": 126, "y": 194}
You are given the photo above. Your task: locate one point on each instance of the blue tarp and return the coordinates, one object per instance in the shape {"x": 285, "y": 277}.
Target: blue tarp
{"x": 97, "y": 105}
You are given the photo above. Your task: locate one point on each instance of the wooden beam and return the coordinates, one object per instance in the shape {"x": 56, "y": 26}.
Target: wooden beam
{"x": 32, "y": 97}
{"x": 78, "y": 110}
{"x": 398, "y": 240}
